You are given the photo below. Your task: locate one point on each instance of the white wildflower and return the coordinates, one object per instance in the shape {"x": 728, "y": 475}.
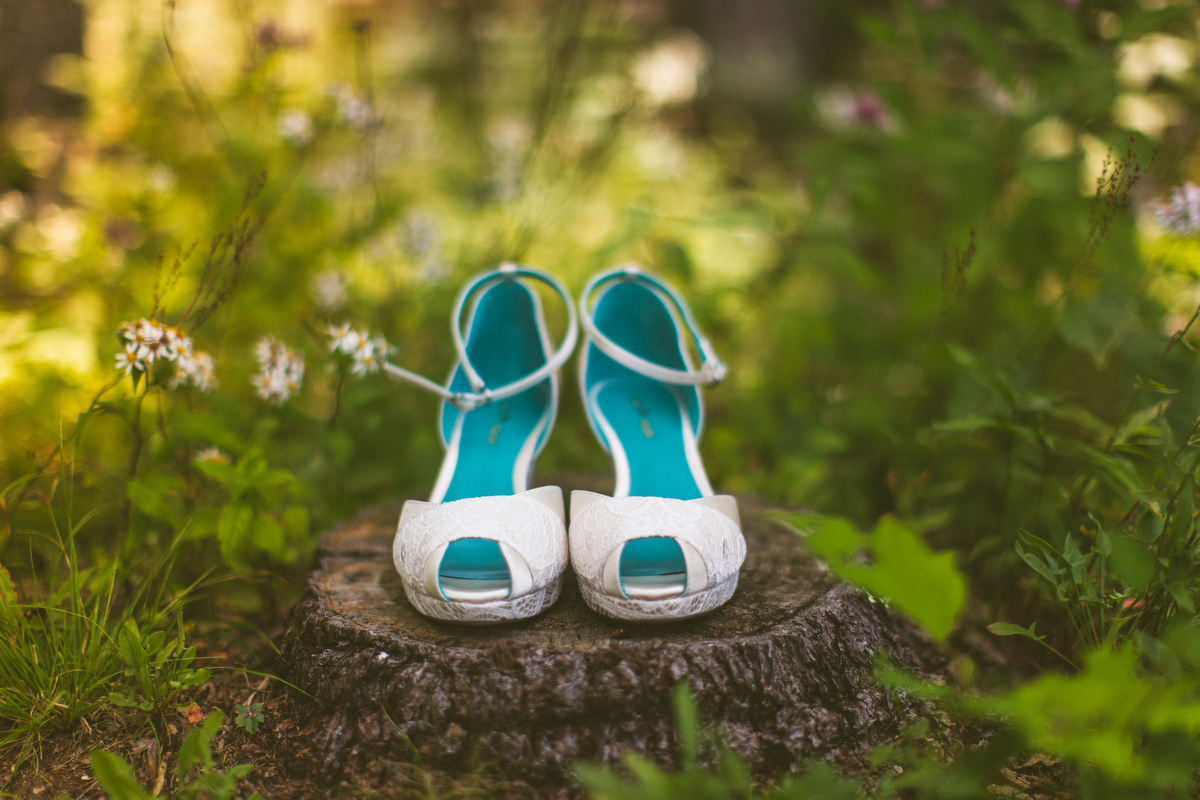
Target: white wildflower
{"x": 370, "y": 355}
{"x": 508, "y": 140}
{"x": 421, "y": 236}
{"x": 367, "y": 353}
{"x": 422, "y": 240}
{"x": 12, "y": 209}
{"x": 670, "y": 73}
{"x": 281, "y": 372}
{"x": 843, "y": 110}
{"x": 1181, "y": 213}
{"x": 344, "y": 338}
{"x": 128, "y": 361}
{"x": 198, "y": 369}
{"x": 62, "y": 230}
{"x": 148, "y": 341}
{"x": 296, "y": 127}
{"x": 328, "y": 290}
{"x": 175, "y": 344}
{"x": 160, "y": 179}
{"x": 212, "y": 454}
{"x": 264, "y": 350}
{"x": 353, "y": 109}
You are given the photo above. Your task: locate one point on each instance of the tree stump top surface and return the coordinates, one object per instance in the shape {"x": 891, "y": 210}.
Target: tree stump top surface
{"x": 778, "y": 580}
{"x": 783, "y": 669}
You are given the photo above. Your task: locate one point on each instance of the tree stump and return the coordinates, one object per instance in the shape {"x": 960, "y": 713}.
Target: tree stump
{"x": 782, "y": 670}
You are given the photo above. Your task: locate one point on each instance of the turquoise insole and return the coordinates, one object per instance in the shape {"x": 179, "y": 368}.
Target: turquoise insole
{"x": 477, "y": 559}
{"x": 645, "y": 416}
{"x": 504, "y": 345}
{"x": 654, "y": 556}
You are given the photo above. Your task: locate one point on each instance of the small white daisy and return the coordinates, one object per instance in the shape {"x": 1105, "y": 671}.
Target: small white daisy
{"x": 198, "y": 369}
{"x": 328, "y": 290}
{"x": 212, "y": 454}
{"x": 281, "y": 373}
{"x": 344, "y": 338}
{"x": 128, "y": 362}
{"x": 296, "y": 127}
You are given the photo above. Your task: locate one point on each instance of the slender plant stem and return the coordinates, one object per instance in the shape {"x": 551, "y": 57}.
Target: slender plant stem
{"x": 1146, "y": 379}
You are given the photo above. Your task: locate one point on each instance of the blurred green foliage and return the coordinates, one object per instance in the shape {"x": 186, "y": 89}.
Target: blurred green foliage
{"x": 893, "y": 563}
{"x": 951, "y": 315}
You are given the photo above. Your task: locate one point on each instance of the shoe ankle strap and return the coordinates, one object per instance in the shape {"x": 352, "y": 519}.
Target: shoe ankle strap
{"x": 481, "y": 394}
{"x": 712, "y": 369}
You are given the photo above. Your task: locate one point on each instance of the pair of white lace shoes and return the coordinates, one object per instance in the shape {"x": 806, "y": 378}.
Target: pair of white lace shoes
{"x": 485, "y": 547}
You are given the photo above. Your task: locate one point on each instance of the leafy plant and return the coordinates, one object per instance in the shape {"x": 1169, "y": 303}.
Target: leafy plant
{"x": 253, "y": 515}
{"x": 195, "y": 771}
{"x": 1133, "y": 566}
{"x": 249, "y": 717}
{"x": 159, "y": 670}
{"x": 1129, "y": 726}
{"x": 893, "y": 563}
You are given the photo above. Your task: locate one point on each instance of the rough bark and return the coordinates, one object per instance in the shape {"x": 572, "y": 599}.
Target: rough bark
{"x": 783, "y": 670}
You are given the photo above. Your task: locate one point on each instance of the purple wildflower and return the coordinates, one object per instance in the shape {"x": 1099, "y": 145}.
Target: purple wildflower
{"x": 1181, "y": 213}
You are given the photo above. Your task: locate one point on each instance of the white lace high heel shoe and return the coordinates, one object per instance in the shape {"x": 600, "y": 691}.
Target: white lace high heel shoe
{"x": 664, "y": 547}
{"x": 485, "y": 547}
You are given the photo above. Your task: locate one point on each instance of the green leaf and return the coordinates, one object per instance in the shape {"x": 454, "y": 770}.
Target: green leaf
{"x": 116, "y": 776}
{"x": 195, "y": 750}
{"x": 1098, "y": 324}
{"x": 296, "y": 522}
{"x": 968, "y": 424}
{"x": 129, "y": 642}
{"x": 1141, "y": 420}
{"x": 122, "y": 700}
{"x": 248, "y": 718}
{"x": 1038, "y": 565}
{"x": 1182, "y": 596}
{"x": 9, "y": 608}
{"x": 267, "y": 535}
{"x": 1153, "y": 500}
{"x": 1133, "y": 563}
{"x": 218, "y": 471}
{"x": 688, "y": 719}
{"x": 1101, "y": 715}
{"x": 231, "y": 531}
{"x": 985, "y": 374}
{"x": 8, "y": 591}
{"x": 1009, "y": 629}
{"x": 276, "y": 477}
{"x": 1182, "y": 514}
{"x": 926, "y": 586}
{"x": 157, "y": 496}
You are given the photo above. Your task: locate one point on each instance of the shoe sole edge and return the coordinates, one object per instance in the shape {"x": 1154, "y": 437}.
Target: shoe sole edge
{"x": 670, "y": 609}
{"x": 496, "y": 611}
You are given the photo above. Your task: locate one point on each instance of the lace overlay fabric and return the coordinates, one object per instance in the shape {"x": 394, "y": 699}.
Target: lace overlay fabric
{"x": 524, "y": 524}
{"x": 605, "y": 524}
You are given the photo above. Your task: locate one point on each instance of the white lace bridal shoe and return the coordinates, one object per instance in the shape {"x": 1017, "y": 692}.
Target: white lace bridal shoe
{"x": 664, "y": 547}
{"x": 485, "y": 547}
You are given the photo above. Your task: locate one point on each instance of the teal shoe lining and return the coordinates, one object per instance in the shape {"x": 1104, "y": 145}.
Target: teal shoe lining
{"x": 646, "y": 417}
{"x": 644, "y": 414}
{"x": 504, "y": 344}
